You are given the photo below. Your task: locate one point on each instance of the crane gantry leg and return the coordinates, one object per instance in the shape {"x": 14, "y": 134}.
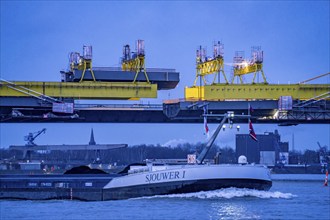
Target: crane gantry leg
{"x": 87, "y": 65}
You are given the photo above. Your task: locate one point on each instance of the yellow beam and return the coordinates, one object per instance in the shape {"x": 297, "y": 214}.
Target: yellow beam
{"x": 250, "y": 68}
{"x": 254, "y": 91}
{"x": 247, "y": 69}
{"x": 136, "y": 65}
{"x": 209, "y": 67}
{"x": 83, "y": 90}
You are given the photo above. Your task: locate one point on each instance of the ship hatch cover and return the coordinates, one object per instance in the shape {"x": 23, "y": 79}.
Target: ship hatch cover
{"x": 84, "y": 170}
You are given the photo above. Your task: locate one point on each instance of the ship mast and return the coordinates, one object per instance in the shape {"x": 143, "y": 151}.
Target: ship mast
{"x": 229, "y": 116}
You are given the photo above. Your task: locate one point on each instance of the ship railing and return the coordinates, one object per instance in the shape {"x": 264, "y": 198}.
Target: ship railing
{"x": 138, "y": 170}
{"x": 120, "y": 106}
{"x": 162, "y": 70}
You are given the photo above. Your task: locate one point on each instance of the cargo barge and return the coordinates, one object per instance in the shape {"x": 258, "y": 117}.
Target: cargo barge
{"x": 139, "y": 180}
{"x": 135, "y": 181}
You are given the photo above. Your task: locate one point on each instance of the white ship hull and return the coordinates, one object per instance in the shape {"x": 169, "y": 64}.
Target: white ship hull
{"x": 159, "y": 180}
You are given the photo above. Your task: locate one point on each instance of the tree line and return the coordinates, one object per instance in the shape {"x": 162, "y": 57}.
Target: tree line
{"x": 139, "y": 153}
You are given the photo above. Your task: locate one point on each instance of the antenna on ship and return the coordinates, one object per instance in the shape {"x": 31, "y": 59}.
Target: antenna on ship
{"x": 228, "y": 117}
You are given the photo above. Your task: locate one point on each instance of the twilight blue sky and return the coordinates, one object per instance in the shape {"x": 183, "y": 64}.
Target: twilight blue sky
{"x": 37, "y": 36}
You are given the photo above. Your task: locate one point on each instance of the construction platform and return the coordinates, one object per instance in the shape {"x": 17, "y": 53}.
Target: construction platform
{"x": 55, "y": 101}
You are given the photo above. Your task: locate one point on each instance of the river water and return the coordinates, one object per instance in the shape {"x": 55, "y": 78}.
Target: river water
{"x": 291, "y": 197}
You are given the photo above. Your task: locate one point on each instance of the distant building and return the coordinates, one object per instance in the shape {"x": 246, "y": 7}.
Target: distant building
{"x": 30, "y": 166}
{"x": 268, "y": 150}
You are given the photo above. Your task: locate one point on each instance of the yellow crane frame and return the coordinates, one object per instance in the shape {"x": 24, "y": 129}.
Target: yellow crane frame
{"x": 209, "y": 67}
{"x": 136, "y": 65}
{"x": 84, "y": 64}
{"x": 250, "y": 68}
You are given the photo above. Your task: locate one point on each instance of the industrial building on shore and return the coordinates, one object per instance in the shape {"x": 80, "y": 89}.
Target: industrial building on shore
{"x": 268, "y": 150}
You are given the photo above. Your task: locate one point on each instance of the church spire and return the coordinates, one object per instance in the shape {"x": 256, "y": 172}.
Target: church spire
{"x": 92, "y": 141}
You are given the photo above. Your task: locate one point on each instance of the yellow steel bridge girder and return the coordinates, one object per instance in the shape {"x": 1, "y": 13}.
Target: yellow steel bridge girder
{"x": 255, "y": 91}
{"x": 83, "y": 90}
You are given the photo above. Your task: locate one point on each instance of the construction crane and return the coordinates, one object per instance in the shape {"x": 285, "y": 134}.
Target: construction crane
{"x": 243, "y": 66}
{"x": 323, "y": 152}
{"x": 30, "y": 143}
{"x": 243, "y": 91}
{"x": 32, "y": 136}
{"x": 210, "y": 65}
{"x": 136, "y": 62}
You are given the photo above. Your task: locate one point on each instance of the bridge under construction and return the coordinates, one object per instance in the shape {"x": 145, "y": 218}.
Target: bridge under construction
{"x": 281, "y": 104}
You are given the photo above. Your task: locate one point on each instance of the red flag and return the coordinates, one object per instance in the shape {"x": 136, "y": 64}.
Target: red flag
{"x": 251, "y": 109}
{"x": 326, "y": 178}
{"x": 252, "y": 133}
{"x": 205, "y": 123}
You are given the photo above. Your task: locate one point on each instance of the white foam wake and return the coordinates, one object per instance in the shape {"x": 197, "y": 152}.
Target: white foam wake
{"x": 229, "y": 193}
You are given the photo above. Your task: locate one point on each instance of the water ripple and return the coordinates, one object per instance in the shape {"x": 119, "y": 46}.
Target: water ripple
{"x": 228, "y": 193}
